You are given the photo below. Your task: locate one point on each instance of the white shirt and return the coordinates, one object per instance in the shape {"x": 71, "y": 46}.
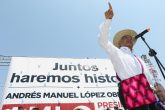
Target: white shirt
{"x": 125, "y": 63}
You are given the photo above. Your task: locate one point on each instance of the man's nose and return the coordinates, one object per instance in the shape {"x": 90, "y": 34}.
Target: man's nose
{"x": 130, "y": 39}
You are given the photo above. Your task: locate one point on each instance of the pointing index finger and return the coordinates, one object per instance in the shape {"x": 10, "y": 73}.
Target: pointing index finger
{"x": 110, "y": 7}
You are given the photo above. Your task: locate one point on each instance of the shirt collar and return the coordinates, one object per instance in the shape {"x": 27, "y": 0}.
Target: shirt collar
{"x": 126, "y": 50}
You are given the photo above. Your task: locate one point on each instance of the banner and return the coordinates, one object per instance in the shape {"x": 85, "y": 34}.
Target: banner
{"x": 60, "y": 84}
{"x": 155, "y": 75}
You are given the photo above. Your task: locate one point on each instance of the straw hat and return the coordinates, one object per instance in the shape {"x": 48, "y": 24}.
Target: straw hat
{"x": 122, "y": 33}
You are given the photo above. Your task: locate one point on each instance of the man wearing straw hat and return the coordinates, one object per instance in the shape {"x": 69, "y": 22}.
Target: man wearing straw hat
{"x": 135, "y": 92}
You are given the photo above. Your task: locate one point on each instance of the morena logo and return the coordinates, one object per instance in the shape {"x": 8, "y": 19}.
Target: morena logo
{"x": 82, "y": 108}
{"x": 51, "y": 106}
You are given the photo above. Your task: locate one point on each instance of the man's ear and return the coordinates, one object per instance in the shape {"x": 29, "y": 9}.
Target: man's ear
{"x": 119, "y": 43}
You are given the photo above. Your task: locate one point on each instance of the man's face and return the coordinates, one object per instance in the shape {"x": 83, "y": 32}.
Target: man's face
{"x": 126, "y": 41}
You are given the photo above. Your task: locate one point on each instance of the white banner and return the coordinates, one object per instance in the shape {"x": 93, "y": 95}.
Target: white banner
{"x": 60, "y": 84}
{"x": 155, "y": 75}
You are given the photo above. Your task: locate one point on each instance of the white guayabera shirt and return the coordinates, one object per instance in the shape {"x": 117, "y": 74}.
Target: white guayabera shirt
{"x": 125, "y": 63}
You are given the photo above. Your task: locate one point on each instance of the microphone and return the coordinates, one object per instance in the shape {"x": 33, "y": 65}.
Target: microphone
{"x": 142, "y": 33}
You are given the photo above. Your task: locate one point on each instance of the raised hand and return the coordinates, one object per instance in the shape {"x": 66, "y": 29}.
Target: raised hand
{"x": 109, "y": 13}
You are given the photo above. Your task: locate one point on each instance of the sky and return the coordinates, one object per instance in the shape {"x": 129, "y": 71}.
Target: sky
{"x": 69, "y": 28}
